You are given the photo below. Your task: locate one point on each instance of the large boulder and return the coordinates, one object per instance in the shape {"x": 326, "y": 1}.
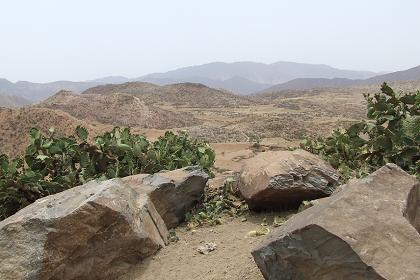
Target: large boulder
{"x": 94, "y": 231}
{"x": 173, "y": 193}
{"x": 278, "y": 180}
{"x": 367, "y": 230}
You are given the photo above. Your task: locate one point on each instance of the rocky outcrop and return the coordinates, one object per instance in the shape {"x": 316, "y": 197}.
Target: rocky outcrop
{"x": 98, "y": 230}
{"x": 94, "y": 231}
{"x": 283, "y": 179}
{"x": 173, "y": 193}
{"x": 367, "y": 230}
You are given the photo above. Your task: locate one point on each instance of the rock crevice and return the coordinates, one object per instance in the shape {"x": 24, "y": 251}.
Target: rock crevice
{"x": 366, "y": 230}
{"x": 97, "y": 230}
{"x": 283, "y": 179}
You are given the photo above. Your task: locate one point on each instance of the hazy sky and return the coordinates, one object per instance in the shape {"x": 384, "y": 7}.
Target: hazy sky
{"x": 45, "y": 40}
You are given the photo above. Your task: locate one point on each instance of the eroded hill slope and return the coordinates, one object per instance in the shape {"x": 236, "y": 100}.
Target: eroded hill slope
{"x": 117, "y": 109}
{"x": 183, "y": 94}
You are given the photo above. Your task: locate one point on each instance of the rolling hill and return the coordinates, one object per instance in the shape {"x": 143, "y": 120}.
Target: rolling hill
{"x": 118, "y": 109}
{"x": 183, "y": 94}
{"x": 16, "y": 123}
{"x": 237, "y": 85}
{"x": 411, "y": 74}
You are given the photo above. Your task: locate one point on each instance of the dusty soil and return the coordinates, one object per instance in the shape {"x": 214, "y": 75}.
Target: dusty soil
{"x": 231, "y": 260}
{"x": 118, "y": 109}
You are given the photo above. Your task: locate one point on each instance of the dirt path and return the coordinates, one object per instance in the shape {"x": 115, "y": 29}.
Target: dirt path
{"x": 231, "y": 260}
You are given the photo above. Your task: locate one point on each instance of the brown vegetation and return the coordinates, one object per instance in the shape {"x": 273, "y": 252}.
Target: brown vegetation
{"x": 183, "y": 94}
{"x": 278, "y": 119}
{"x": 117, "y": 109}
{"x": 16, "y": 123}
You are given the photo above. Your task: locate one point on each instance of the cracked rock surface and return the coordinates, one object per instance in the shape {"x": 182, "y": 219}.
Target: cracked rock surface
{"x": 278, "y": 180}
{"x": 94, "y": 231}
{"x": 369, "y": 229}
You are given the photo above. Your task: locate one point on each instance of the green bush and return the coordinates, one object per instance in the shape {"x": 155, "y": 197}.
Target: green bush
{"x": 217, "y": 203}
{"x": 51, "y": 165}
{"x": 391, "y": 134}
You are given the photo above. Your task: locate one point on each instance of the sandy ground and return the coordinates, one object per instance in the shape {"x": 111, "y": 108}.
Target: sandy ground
{"x": 231, "y": 260}
{"x": 229, "y": 156}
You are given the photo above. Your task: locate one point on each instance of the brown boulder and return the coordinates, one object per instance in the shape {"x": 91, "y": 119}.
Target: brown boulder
{"x": 94, "y": 231}
{"x": 283, "y": 179}
{"x": 173, "y": 193}
{"x": 367, "y": 230}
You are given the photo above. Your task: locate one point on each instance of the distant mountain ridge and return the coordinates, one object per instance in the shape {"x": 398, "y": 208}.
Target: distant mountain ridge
{"x": 40, "y": 91}
{"x": 249, "y": 77}
{"x": 411, "y": 74}
{"x": 12, "y": 101}
{"x": 274, "y": 73}
{"x": 404, "y": 75}
{"x": 237, "y": 77}
{"x": 309, "y": 83}
{"x": 235, "y": 84}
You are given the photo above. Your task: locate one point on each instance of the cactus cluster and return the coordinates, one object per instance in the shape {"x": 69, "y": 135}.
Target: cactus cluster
{"x": 52, "y": 164}
{"x": 391, "y": 133}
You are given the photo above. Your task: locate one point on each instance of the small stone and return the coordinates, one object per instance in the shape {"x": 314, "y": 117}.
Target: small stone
{"x": 207, "y": 248}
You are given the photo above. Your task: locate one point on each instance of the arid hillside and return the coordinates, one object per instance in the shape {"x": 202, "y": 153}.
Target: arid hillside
{"x": 16, "y": 123}
{"x": 183, "y": 94}
{"x": 276, "y": 119}
{"x": 118, "y": 109}
{"x": 288, "y": 116}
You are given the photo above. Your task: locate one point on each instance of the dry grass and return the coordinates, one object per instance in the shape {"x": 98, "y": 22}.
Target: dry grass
{"x": 184, "y": 94}
{"x": 117, "y": 109}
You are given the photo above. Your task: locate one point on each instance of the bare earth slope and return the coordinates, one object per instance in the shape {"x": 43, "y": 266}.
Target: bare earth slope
{"x": 16, "y": 123}
{"x": 117, "y": 109}
{"x": 184, "y": 94}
